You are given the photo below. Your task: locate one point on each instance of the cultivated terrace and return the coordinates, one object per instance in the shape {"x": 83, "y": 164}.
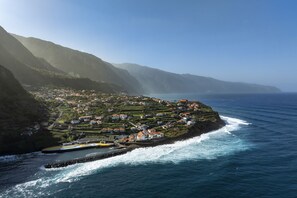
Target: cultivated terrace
{"x": 89, "y": 115}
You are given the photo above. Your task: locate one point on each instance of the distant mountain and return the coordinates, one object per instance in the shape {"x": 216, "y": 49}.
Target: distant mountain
{"x": 80, "y": 64}
{"x": 31, "y": 70}
{"x": 158, "y": 81}
{"x": 38, "y": 62}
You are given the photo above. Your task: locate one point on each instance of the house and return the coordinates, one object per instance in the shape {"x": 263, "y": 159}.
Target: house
{"x": 116, "y": 130}
{"x": 183, "y": 101}
{"x": 132, "y": 138}
{"x": 186, "y": 114}
{"x": 122, "y": 130}
{"x": 123, "y": 116}
{"x": 141, "y": 136}
{"x": 75, "y": 122}
{"x": 98, "y": 117}
{"x": 181, "y": 108}
{"x": 155, "y": 135}
{"x": 123, "y": 139}
{"x": 160, "y": 114}
{"x": 151, "y": 130}
{"x": 181, "y": 121}
{"x": 159, "y": 123}
{"x": 44, "y": 124}
{"x": 143, "y": 127}
{"x": 36, "y": 126}
{"x": 93, "y": 122}
{"x": 115, "y": 117}
{"x": 190, "y": 123}
{"x": 72, "y": 103}
{"x": 164, "y": 127}
{"x": 85, "y": 118}
{"x": 106, "y": 130}
{"x": 194, "y": 106}
{"x": 148, "y": 116}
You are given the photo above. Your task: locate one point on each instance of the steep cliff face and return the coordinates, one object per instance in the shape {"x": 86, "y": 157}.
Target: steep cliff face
{"x": 34, "y": 71}
{"x": 80, "y": 64}
{"x": 19, "y": 112}
{"x": 17, "y": 106}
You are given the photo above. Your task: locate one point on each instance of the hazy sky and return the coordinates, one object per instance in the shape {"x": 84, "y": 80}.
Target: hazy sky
{"x": 249, "y": 41}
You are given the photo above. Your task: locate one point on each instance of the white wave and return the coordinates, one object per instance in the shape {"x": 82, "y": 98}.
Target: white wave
{"x": 10, "y": 158}
{"x": 234, "y": 121}
{"x": 207, "y": 146}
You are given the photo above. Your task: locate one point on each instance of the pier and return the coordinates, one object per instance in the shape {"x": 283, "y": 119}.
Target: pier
{"x": 65, "y": 163}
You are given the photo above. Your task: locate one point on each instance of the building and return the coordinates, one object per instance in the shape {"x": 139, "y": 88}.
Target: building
{"x": 93, "y": 122}
{"x": 183, "y": 101}
{"x": 75, "y": 122}
{"x": 85, "y": 118}
{"x": 123, "y": 116}
{"x": 141, "y": 136}
{"x": 155, "y": 135}
{"x": 132, "y": 138}
{"x": 115, "y": 117}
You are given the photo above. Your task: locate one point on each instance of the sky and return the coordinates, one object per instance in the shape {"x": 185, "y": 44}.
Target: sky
{"x": 251, "y": 41}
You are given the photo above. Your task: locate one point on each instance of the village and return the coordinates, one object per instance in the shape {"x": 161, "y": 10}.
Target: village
{"x": 88, "y": 116}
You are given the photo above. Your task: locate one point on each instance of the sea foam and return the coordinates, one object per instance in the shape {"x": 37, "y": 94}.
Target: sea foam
{"x": 207, "y": 146}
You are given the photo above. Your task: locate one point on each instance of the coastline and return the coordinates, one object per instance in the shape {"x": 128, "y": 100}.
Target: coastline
{"x": 196, "y": 130}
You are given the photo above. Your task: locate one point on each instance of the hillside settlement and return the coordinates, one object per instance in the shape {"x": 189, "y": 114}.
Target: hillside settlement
{"x": 89, "y": 116}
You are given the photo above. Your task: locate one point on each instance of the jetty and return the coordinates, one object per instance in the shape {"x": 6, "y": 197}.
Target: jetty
{"x": 113, "y": 153}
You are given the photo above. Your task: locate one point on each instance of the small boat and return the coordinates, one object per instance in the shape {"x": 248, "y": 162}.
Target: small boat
{"x": 75, "y": 146}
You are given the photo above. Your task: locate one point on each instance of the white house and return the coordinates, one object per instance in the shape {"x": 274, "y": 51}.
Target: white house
{"x": 154, "y": 135}
{"x": 123, "y": 116}
{"x": 75, "y": 121}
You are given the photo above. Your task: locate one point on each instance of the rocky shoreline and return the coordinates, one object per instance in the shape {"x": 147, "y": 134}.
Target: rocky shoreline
{"x": 196, "y": 130}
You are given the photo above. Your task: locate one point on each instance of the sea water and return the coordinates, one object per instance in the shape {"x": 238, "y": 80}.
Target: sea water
{"x": 254, "y": 155}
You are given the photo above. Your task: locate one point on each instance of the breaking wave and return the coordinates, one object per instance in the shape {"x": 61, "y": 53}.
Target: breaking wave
{"x": 14, "y": 158}
{"x": 211, "y": 145}
{"x": 9, "y": 158}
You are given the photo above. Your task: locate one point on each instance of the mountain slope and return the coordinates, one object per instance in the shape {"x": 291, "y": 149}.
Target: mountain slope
{"x": 31, "y": 70}
{"x": 80, "y": 64}
{"x": 23, "y": 55}
{"x": 18, "y": 110}
{"x": 158, "y": 81}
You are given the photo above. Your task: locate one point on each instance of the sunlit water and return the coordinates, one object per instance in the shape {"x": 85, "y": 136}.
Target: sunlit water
{"x": 254, "y": 155}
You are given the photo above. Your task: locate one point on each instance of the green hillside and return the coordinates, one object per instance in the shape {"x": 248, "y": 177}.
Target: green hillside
{"x": 30, "y": 70}
{"x": 80, "y": 64}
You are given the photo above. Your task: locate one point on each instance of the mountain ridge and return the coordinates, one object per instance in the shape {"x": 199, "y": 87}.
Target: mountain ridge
{"x": 82, "y": 64}
{"x": 159, "y": 81}
{"x": 30, "y": 70}
{"x": 126, "y": 77}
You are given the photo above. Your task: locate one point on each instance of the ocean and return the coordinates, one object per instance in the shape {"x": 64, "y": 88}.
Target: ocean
{"x": 254, "y": 155}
